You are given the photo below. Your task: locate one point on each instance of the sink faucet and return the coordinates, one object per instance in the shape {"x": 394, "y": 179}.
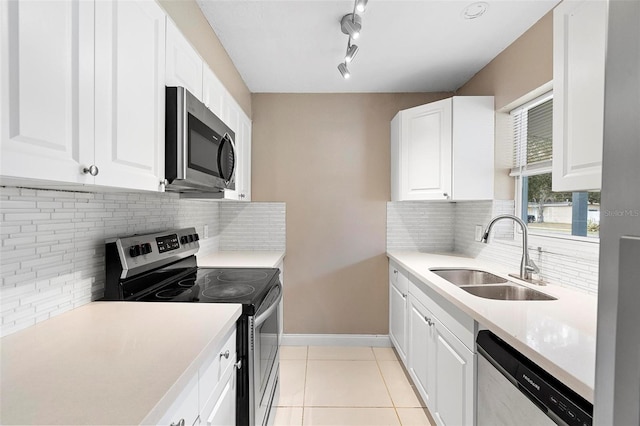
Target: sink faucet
{"x": 527, "y": 266}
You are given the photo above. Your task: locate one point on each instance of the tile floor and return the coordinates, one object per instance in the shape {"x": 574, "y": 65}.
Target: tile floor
{"x": 345, "y": 386}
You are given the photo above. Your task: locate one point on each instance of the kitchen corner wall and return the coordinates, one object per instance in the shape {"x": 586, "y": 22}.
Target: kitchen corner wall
{"x": 327, "y": 156}
{"x": 52, "y": 253}
{"x": 568, "y": 263}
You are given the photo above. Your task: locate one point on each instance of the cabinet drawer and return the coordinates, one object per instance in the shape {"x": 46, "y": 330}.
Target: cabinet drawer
{"x": 459, "y": 323}
{"x": 399, "y": 278}
{"x": 216, "y": 366}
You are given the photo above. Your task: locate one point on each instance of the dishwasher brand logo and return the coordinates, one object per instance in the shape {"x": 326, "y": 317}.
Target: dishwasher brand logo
{"x": 531, "y": 382}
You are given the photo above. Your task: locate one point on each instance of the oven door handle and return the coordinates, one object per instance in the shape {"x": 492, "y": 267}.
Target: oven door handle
{"x": 262, "y": 317}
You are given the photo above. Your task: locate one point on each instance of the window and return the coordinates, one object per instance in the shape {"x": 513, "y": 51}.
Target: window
{"x": 546, "y": 211}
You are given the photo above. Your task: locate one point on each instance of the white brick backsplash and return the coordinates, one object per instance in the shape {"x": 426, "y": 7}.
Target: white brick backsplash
{"x": 252, "y": 226}
{"x": 52, "y": 251}
{"x": 420, "y": 226}
{"x": 437, "y": 227}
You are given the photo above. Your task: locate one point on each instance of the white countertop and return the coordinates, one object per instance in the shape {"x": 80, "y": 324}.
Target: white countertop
{"x": 241, "y": 259}
{"x": 108, "y": 362}
{"x": 558, "y": 335}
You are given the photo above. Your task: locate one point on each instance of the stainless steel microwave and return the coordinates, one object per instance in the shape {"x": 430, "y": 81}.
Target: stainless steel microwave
{"x": 199, "y": 148}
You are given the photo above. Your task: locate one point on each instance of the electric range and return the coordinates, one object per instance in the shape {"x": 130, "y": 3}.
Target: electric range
{"x": 162, "y": 267}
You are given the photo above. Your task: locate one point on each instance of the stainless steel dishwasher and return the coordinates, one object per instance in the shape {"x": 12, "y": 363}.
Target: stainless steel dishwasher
{"x": 512, "y": 390}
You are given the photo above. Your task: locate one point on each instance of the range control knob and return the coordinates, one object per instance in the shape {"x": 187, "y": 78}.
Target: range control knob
{"x": 183, "y": 239}
{"x": 190, "y": 237}
{"x": 145, "y": 248}
{"x": 196, "y": 237}
{"x": 134, "y": 251}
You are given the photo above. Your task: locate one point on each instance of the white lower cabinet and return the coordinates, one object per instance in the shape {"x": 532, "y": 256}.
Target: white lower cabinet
{"x": 454, "y": 367}
{"x": 421, "y": 356}
{"x": 185, "y": 407}
{"x": 437, "y": 348}
{"x": 398, "y": 288}
{"x": 210, "y": 396}
{"x": 224, "y": 411}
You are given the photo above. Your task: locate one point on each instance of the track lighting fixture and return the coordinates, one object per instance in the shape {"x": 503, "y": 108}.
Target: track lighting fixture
{"x": 352, "y": 49}
{"x": 361, "y": 5}
{"x": 351, "y": 25}
{"x": 344, "y": 70}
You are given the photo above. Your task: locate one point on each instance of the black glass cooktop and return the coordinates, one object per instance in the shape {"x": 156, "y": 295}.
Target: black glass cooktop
{"x": 247, "y": 286}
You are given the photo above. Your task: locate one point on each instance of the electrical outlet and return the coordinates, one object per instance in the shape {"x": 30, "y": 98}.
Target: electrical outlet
{"x": 478, "y": 232}
{"x": 206, "y": 231}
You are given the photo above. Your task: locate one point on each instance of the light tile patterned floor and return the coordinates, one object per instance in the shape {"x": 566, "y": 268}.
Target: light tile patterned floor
{"x": 346, "y": 386}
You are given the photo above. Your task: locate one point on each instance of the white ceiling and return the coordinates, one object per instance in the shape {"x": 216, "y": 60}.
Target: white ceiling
{"x": 295, "y": 46}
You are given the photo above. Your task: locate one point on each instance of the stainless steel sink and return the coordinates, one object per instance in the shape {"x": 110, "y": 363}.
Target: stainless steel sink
{"x": 461, "y": 277}
{"x": 507, "y": 292}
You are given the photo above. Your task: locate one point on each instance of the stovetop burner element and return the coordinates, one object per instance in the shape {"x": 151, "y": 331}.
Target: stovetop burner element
{"x": 190, "y": 282}
{"x": 236, "y": 276}
{"x": 228, "y": 291}
{"x": 171, "y": 293}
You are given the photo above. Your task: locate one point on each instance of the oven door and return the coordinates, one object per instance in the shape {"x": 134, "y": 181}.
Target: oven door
{"x": 265, "y": 357}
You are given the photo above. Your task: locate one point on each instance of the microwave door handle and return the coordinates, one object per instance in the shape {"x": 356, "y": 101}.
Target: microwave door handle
{"x": 264, "y": 315}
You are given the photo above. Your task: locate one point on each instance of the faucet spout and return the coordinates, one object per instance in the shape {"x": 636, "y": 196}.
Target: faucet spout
{"x": 527, "y": 266}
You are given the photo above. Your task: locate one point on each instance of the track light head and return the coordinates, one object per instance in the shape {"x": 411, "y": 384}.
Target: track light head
{"x": 352, "y": 49}
{"x": 361, "y": 5}
{"x": 351, "y": 24}
{"x": 344, "y": 71}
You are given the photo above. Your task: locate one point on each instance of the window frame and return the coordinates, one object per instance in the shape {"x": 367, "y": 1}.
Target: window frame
{"x": 526, "y": 170}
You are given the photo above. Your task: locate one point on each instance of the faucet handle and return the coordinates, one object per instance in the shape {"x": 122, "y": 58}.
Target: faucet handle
{"x": 532, "y": 267}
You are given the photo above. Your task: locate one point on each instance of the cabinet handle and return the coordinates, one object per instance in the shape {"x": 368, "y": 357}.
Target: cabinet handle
{"x": 180, "y": 423}
{"x": 92, "y": 170}
{"x": 429, "y": 321}
{"x": 395, "y": 271}
{"x": 225, "y": 354}
{"x": 404, "y": 295}
{"x": 163, "y": 184}
{"x": 238, "y": 365}
{"x": 446, "y": 194}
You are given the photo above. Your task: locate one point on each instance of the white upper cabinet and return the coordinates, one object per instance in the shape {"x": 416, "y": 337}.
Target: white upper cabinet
{"x": 46, "y": 90}
{"x": 444, "y": 150}
{"x": 130, "y": 94}
{"x": 213, "y": 92}
{"x": 184, "y": 65}
{"x": 579, "y": 42}
{"x": 83, "y": 89}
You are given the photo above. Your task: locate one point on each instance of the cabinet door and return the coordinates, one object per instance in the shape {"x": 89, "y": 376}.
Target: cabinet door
{"x": 397, "y": 320}
{"x": 185, "y": 406}
{"x": 213, "y": 92}
{"x": 243, "y": 174}
{"x": 425, "y": 152}
{"x": 421, "y": 347}
{"x": 130, "y": 94}
{"x": 224, "y": 411}
{"x": 454, "y": 379}
{"x": 184, "y": 65}
{"x": 46, "y": 89}
{"x": 579, "y": 42}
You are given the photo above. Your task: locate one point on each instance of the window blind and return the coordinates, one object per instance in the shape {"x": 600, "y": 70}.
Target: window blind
{"x": 532, "y": 135}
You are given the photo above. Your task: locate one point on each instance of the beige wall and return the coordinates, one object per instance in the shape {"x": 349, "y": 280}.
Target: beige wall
{"x": 327, "y": 157}
{"x": 195, "y": 27}
{"x": 523, "y": 66}
{"x": 512, "y": 76}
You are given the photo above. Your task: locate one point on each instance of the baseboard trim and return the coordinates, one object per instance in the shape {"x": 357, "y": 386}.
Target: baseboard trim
{"x": 375, "y": 340}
